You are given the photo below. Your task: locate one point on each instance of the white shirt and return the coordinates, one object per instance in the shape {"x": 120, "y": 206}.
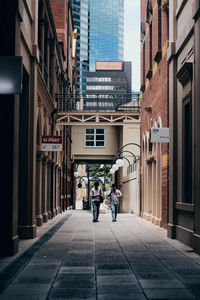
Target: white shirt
{"x": 96, "y": 193}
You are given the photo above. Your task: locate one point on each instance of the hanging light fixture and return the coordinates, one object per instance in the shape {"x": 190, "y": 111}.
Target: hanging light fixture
{"x": 112, "y": 171}
{"x": 119, "y": 162}
{"x": 115, "y": 167}
{"x": 76, "y": 174}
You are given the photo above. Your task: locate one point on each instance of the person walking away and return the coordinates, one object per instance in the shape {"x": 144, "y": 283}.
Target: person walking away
{"x": 114, "y": 195}
{"x": 95, "y": 194}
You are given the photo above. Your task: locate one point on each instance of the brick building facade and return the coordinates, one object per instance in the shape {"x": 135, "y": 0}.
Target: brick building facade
{"x": 31, "y": 188}
{"x": 62, "y": 14}
{"x": 154, "y": 110}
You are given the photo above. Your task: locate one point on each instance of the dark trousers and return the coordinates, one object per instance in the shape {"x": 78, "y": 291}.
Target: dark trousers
{"x": 95, "y": 205}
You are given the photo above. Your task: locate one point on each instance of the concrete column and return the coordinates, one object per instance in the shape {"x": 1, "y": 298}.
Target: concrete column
{"x": 57, "y": 188}
{"x": 64, "y": 186}
{"x": 171, "y": 227}
{"x": 38, "y": 208}
{"x": 53, "y": 189}
{"x": 149, "y": 190}
{"x": 196, "y": 236}
{"x": 158, "y": 183}
{"x": 144, "y": 182}
{"x": 27, "y": 157}
{"x": 44, "y": 188}
{"x": 154, "y": 191}
{"x": 49, "y": 161}
{"x": 144, "y": 187}
{"x": 172, "y": 64}
{"x": 138, "y": 187}
{"x": 60, "y": 189}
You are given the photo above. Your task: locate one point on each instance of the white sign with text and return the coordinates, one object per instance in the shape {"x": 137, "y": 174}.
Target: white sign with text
{"x": 51, "y": 143}
{"x": 159, "y": 135}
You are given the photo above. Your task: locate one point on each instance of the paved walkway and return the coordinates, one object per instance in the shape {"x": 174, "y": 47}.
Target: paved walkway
{"x": 129, "y": 259}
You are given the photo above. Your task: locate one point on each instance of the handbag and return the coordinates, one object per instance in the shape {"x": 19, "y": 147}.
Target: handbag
{"x": 101, "y": 198}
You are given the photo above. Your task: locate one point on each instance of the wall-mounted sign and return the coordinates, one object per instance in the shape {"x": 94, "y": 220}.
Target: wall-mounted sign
{"x": 109, "y": 65}
{"x": 159, "y": 135}
{"x": 10, "y": 75}
{"x": 51, "y": 143}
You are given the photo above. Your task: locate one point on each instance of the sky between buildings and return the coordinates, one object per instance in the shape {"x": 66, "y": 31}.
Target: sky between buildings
{"x": 132, "y": 39}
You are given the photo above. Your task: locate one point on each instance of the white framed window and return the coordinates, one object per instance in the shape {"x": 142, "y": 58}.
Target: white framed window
{"x": 95, "y": 137}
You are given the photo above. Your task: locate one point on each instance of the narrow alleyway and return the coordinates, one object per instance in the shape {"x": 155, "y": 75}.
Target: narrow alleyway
{"x": 78, "y": 259}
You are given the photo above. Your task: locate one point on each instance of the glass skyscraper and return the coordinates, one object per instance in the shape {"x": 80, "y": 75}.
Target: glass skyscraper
{"x": 106, "y": 35}
{"x": 100, "y": 34}
{"x": 80, "y": 13}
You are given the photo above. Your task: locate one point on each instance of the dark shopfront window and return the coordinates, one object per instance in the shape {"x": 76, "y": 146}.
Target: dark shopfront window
{"x": 187, "y": 149}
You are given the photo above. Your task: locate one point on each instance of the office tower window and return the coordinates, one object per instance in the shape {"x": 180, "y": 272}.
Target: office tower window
{"x": 106, "y": 37}
{"x": 80, "y": 14}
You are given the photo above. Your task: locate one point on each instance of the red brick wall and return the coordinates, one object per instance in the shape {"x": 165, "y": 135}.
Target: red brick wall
{"x": 59, "y": 9}
{"x": 156, "y": 92}
{"x": 61, "y": 18}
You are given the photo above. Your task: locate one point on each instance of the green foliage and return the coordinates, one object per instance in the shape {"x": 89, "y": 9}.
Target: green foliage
{"x": 96, "y": 171}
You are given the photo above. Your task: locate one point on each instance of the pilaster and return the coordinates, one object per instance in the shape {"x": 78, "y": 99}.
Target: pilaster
{"x": 53, "y": 188}
{"x": 196, "y": 237}
{"x": 44, "y": 188}
{"x": 38, "y": 211}
{"x": 172, "y": 62}
{"x": 49, "y": 162}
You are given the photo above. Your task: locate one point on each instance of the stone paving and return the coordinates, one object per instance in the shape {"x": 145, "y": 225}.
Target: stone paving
{"x": 129, "y": 259}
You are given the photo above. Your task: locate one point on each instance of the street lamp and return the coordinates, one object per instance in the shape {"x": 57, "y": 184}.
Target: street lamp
{"x": 119, "y": 162}
{"x": 76, "y": 174}
{"x": 126, "y": 151}
{"x": 112, "y": 171}
{"x": 115, "y": 167}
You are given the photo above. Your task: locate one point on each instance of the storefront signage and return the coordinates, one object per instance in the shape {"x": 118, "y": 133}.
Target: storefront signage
{"x": 51, "y": 143}
{"x": 109, "y": 65}
{"x": 10, "y": 75}
{"x": 159, "y": 135}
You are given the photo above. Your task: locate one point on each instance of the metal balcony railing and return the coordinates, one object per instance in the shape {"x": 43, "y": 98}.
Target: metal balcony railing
{"x": 104, "y": 102}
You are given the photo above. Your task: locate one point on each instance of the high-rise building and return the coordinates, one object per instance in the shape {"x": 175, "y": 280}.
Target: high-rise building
{"x": 106, "y": 35}
{"x": 108, "y": 87}
{"x": 100, "y": 35}
{"x": 80, "y": 13}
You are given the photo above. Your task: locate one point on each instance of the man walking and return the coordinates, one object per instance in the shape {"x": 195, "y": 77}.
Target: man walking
{"x": 95, "y": 194}
{"x": 114, "y": 201}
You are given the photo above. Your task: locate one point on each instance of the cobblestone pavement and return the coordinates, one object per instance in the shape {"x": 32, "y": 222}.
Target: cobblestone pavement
{"x": 129, "y": 259}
